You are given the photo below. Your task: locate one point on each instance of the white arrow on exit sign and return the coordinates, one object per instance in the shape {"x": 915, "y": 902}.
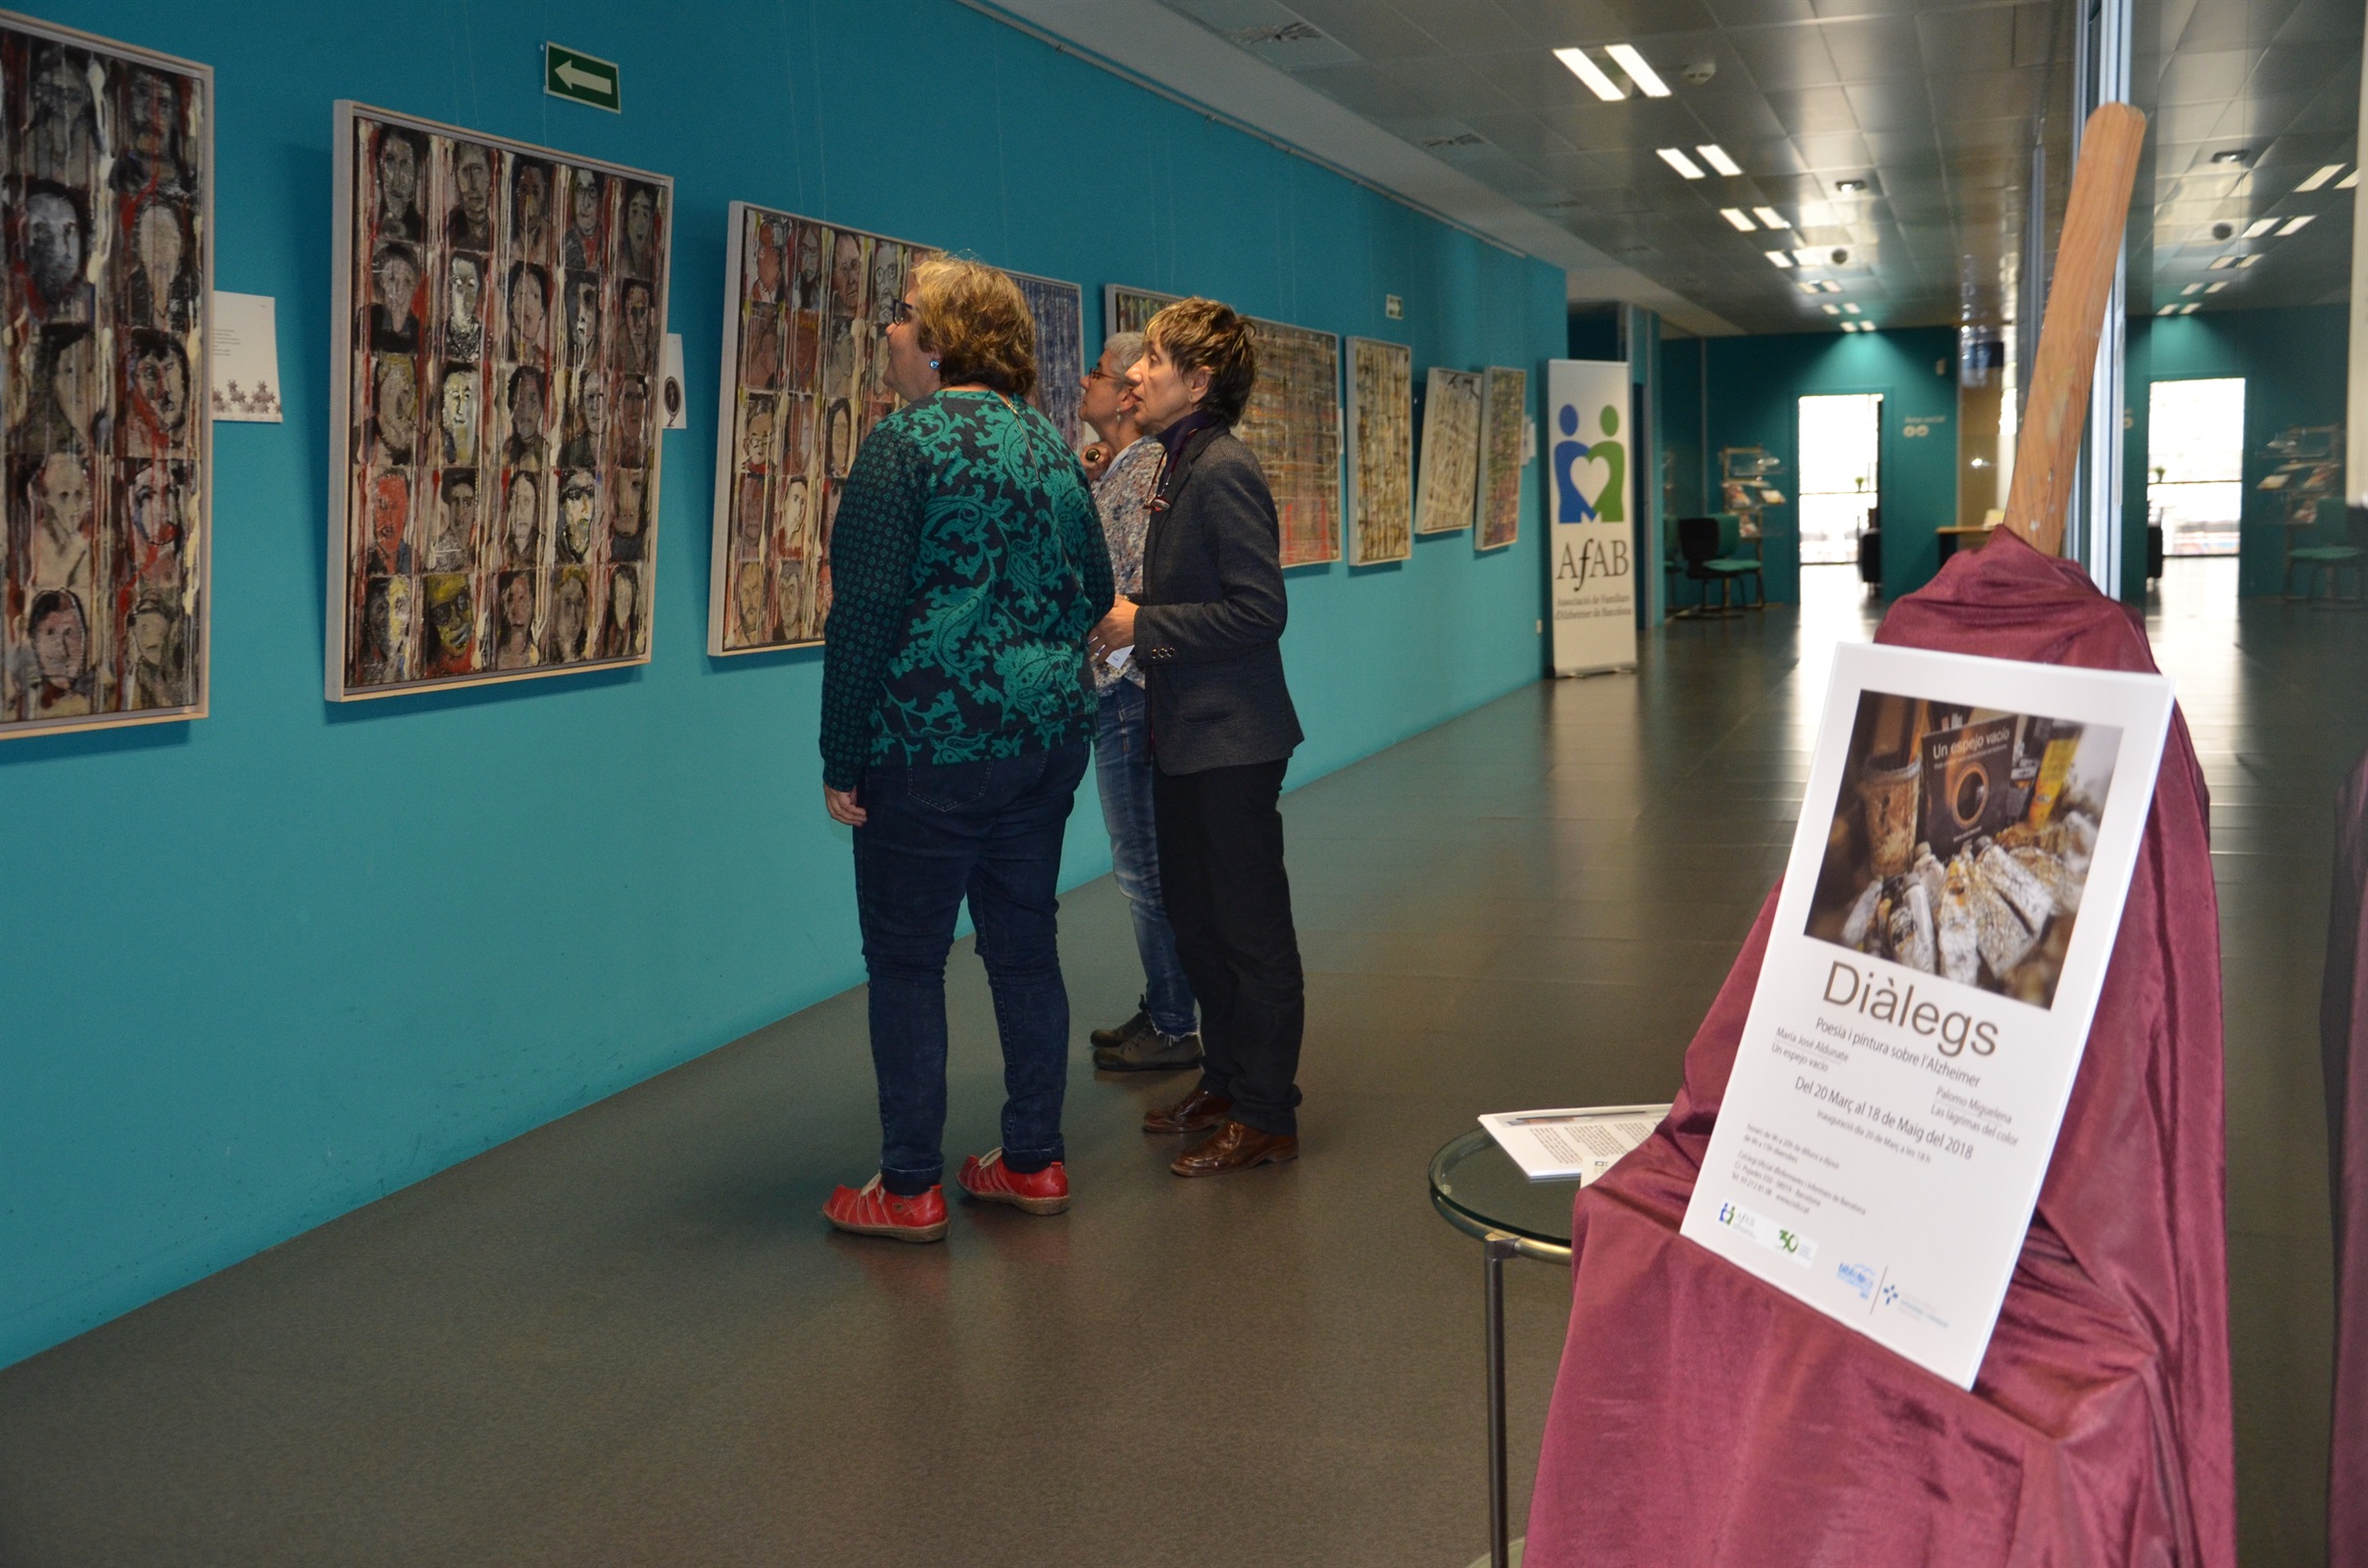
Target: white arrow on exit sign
{"x": 579, "y": 77}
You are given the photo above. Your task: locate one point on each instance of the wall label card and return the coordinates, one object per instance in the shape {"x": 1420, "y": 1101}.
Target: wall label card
{"x": 499, "y": 313}
{"x": 1955, "y": 886}
{"x": 1591, "y": 483}
{"x": 106, "y": 302}
{"x": 246, "y": 358}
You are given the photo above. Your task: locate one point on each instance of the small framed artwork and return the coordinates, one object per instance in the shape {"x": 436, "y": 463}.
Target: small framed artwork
{"x": 1451, "y": 451}
{"x": 1503, "y": 421}
{"x": 1381, "y": 451}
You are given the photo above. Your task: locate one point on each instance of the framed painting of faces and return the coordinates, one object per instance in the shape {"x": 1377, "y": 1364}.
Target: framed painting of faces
{"x": 806, "y": 306}
{"x": 107, "y": 234}
{"x": 1292, "y": 423}
{"x": 1381, "y": 451}
{"x": 1058, "y": 309}
{"x": 500, "y": 324}
{"x": 1451, "y": 451}
{"x": 1504, "y": 418}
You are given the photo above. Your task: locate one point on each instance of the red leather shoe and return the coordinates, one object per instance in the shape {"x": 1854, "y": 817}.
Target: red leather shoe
{"x": 1037, "y": 1192}
{"x": 873, "y": 1210}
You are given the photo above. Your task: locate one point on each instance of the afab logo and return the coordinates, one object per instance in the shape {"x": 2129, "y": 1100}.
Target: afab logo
{"x": 1608, "y": 456}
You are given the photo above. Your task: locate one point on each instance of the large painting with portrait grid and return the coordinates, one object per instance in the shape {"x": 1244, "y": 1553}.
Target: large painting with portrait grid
{"x": 500, "y": 325}
{"x": 106, "y": 236}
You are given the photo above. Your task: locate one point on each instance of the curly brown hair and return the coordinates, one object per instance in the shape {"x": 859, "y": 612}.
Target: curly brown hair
{"x": 1203, "y": 334}
{"x": 976, "y": 322}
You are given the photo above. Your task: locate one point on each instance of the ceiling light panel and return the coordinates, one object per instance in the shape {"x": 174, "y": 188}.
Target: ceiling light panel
{"x": 2294, "y": 226}
{"x": 1831, "y": 310}
{"x": 1781, "y": 258}
{"x": 1598, "y": 81}
{"x": 1676, "y": 159}
{"x": 1639, "y": 72}
{"x": 1769, "y": 216}
{"x": 2214, "y": 288}
{"x": 1851, "y": 309}
{"x": 1717, "y": 157}
{"x": 2321, "y": 178}
{"x": 2186, "y": 309}
{"x": 2259, "y": 227}
{"x": 2192, "y": 288}
{"x": 2253, "y": 259}
{"x": 2348, "y": 180}
{"x": 2222, "y": 262}
{"x": 1739, "y": 219}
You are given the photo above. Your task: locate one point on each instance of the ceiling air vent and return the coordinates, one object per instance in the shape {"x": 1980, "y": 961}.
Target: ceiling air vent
{"x": 1466, "y": 138}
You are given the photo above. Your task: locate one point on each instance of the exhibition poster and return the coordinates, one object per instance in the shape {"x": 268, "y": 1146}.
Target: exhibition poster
{"x": 1505, "y": 451}
{"x": 108, "y": 243}
{"x": 1059, "y": 310}
{"x": 1954, "y": 885}
{"x": 499, "y": 319}
{"x": 1292, "y": 424}
{"x": 1591, "y": 566}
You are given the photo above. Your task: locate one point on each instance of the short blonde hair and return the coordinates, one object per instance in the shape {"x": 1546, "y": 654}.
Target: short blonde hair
{"x": 1201, "y": 334}
{"x": 977, "y": 323}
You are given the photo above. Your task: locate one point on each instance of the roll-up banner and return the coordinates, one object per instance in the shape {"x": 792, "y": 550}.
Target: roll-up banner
{"x": 1592, "y": 568}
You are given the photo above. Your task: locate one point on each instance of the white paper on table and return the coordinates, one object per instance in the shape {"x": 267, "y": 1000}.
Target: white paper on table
{"x": 671, "y": 398}
{"x": 245, "y": 374}
{"x": 1117, "y": 658}
{"x": 1886, "y": 1127}
{"x": 1583, "y": 1140}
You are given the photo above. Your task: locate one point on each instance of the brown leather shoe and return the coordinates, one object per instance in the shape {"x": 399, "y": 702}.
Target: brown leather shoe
{"x": 1192, "y": 1113}
{"x": 1236, "y": 1146}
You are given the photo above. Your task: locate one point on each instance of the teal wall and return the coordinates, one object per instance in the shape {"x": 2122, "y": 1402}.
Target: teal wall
{"x": 2294, "y": 364}
{"x": 270, "y": 966}
{"x": 1752, "y": 386}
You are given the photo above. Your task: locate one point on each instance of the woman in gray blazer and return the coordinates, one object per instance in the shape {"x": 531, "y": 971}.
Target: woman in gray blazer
{"x": 1207, "y": 629}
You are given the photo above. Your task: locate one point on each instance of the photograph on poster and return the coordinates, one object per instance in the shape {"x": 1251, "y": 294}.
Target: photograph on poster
{"x": 1058, "y": 309}
{"x": 1292, "y": 424}
{"x": 1451, "y": 451}
{"x": 807, "y": 305}
{"x": 1961, "y": 839}
{"x": 1504, "y": 418}
{"x": 1381, "y": 451}
{"x": 495, "y": 471}
{"x": 107, "y": 436}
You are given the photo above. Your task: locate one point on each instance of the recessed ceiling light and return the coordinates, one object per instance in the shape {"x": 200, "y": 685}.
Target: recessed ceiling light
{"x": 2221, "y": 262}
{"x": 2297, "y": 225}
{"x": 1739, "y": 217}
{"x": 2348, "y": 180}
{"x": 2250, "y": 261}
{"x": 1717, "y": 157}
{"x": 1813, "y": 289}
{"x": 1769, "y": 216}
{"x": 2168, "y": 309}
{"x": 2232, "y": 155}
{"x": 1853, "y": 309}
{"x": 1680, "y": 162}
{"x": 2186, "y": 309}
{"x": 2259, "y": 227}
{"x": 1643, "y": 75}
{"x": 1781, "y": 258}
{"x": 1831, "y": 310}
{"x": 2192, "y": 288}
{"x": 2214, "y": 288}
{"x": 2321, "y": 176}
{"x": 1599, "y": 81}
{"x": 1851, "y": 186}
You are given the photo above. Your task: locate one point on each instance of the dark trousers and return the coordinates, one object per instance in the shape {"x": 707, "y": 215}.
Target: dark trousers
{"x": 1229, "y": 900}
{"x": 988, "y": 831}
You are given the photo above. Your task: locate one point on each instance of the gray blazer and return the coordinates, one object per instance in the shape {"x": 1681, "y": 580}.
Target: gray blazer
{"x": 1213, "y": 609}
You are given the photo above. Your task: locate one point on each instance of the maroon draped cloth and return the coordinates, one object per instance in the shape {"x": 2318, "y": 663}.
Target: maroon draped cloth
{"x": 1701, "y": 1417}
{"x": 2344, "y": 1047}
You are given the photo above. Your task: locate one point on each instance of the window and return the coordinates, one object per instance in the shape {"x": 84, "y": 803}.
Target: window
{"x": 1841, "y": 462}
{"x": 2195, "y": 464}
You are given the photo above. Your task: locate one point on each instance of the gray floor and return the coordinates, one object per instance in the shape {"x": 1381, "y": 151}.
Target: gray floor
{"x": 627, "y": 1337}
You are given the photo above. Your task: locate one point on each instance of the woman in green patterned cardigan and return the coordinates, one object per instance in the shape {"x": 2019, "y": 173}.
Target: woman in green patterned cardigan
{"x": 958, "y": 714}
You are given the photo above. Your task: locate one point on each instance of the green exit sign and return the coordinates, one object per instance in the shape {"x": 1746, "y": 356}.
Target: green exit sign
{"x": 581, "y": 77}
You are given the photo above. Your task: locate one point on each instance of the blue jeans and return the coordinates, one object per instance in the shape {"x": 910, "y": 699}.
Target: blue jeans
{"x": 1122, "y": 767}
{"x": 988, "y": 831}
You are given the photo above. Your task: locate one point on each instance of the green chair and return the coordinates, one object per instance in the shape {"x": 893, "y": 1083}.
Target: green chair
{"x": 1698, "y": 543}
{"x": 2331, "y": 560}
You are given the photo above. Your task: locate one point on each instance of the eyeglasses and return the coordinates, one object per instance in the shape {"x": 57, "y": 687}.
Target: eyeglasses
{"x": 900, "y": 313}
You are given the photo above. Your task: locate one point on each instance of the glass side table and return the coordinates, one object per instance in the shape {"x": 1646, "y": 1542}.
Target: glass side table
{"x": 1478, "y": 1188}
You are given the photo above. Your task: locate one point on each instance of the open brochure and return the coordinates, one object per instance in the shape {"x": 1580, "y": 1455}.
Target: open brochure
{"x": 1582, "y": 1141}
{"x": 1965, "y": 844}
